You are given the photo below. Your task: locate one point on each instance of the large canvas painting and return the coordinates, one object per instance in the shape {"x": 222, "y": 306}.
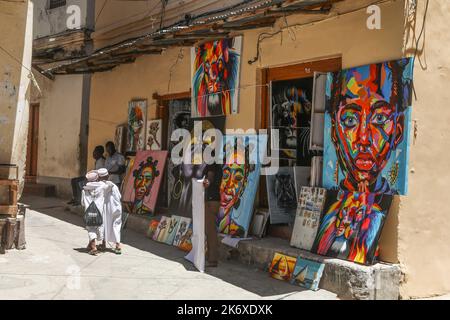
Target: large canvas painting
{"x": 291, "y": 116}
{"x": 282, "y": 195}
{"x": 240, "y": 182}
{"x": 182, "y": 174}
{"x": 137, "y": 115}
{"x": 309, "y": 210}
{"x": 307, "y": 273}
{"x": 154, "y": 135}
{"x": 282, "y": 267}
{"x": 143, "y": 186}
{"x": 351, "y": 225}
{"x": 215, "y": 67}
{"x": 367, "y": 125}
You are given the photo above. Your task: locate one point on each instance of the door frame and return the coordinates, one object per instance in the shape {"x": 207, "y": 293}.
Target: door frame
{"x": 32, "y": 143}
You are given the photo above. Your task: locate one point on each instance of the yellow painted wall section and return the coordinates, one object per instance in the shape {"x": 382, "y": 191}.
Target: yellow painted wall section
{"x": 424, "y": 237}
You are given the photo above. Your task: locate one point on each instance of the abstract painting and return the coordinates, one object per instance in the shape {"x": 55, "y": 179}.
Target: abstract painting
{"x": 182, "y": 229}
{"x": 367, "y": 125}
{"x": 307, "y": 273}
{"x": 309, "y": 210}
{"x": 291, "y": 116}
{"x": 172, "y": 229}
{"x": 215, "y": 67}
{"x": 120, "y": 137}
{"x": 185, "y": 243}
{"x": 282, "y": 267}
{"x": 351, "y": 225}
{"x": 154, "y": 136}
{"x": 162, "y": 225}
{"x": 240, "y": 180}
{"x": 137, "y": 115}
{"x": 143, "y": 185}
{"x": 152, "y": 227}
{"x": 282, "y": 195}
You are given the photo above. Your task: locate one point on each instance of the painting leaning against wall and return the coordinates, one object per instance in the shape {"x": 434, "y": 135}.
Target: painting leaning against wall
{"x": 137, "y": 115}
{"x": 215, "y": 67}
{"x": 367, "y": 125}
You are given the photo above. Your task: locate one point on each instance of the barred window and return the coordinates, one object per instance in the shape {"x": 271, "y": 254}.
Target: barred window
{"x": 56, "y": 4}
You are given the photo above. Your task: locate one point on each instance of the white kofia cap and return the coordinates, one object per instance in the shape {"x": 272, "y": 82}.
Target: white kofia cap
{"x": 92, "y": 176}
{"x": 102, "y": 172}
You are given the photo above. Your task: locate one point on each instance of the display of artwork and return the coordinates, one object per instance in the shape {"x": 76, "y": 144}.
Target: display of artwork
{"x": 291, "y": 116}
{"x": 143, "y": 185}
{"x": 367, "y": 125}
{"x": 185, "y": 243}
{"x": 172, "y": 229}
{"x": 307, "y": 273}
{"x": 182, "y": 229}
{"x": 282, "y": 267}
{"x": 162, "y": 225}
{"x": 351, "y": 225}
{"x": 215, "y": 68}
{"x": 137, "y": 115}
{"x": 120, "y": 137}
{"x": 181, "y": 192}
{"x": 309, "y": 210}
{"x": 154, "y": 135}
{"x": 240, "y": 182}
{"x": 152, "y": 227}
{"x": 282, "y": 195}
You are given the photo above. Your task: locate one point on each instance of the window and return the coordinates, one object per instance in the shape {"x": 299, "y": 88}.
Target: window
{"x": 56, "y": 4}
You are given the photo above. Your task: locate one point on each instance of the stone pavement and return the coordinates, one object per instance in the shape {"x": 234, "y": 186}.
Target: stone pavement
{"x": 55, "y": 266}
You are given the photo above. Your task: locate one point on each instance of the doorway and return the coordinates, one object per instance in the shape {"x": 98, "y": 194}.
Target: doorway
{"x": 32, "y": 144}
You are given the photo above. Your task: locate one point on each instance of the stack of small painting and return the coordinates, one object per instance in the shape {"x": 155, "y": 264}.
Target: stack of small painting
{"x": 174, "y": 230}
{"x": 142, "y": 187}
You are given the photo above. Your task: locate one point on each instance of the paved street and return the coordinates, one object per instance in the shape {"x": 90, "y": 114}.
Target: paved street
{"x": 56, "y": 266}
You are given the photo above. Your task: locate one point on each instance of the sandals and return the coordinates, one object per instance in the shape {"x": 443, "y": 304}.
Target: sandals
{"x": 93, "y": 252}
{"x": 118, "y": 250}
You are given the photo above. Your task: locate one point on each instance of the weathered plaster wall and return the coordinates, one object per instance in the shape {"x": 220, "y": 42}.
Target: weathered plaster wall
{"x": 17, "y": 29}
{"x": 424, "y": 237}
{"x": 53, "y": 21}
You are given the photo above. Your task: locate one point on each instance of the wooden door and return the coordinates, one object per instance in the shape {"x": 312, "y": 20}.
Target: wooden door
{"x": 32, "y": 143}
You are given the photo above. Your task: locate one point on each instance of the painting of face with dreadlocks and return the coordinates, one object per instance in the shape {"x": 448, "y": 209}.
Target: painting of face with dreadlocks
{"x": 215, "y": 77}
{"x": 137, "y": 114}
{"x": 367, "y": 124}
{"x": 142, "y": 190}
{"x": 239, "y": 183}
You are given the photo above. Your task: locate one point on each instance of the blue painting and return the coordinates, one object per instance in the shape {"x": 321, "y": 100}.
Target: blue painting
{"x": 240, "y": 181}
{"x": 307, "y": 273}
{"x": 367, "y": 128}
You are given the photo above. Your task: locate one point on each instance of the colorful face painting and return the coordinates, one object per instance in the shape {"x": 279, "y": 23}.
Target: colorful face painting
{"x": 282, "y": 267}
{"x": 351, "y": 225}
{"x": 367, "y": 124}
{"x": 137, "y": 115}
{"x": 240, "y": 181}
{"x": 282, "y": 195}
{"x": 307, "y": 273}
{"x": 143, "y": 186}
{"x": 154, "y": 130}
{"x": 215, "y": 77}
{"x": 291, "y": 116}
{"x": 181, "y": 193}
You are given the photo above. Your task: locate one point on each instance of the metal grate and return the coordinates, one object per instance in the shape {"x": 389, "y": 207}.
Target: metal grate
{"x": 56, "y": 4}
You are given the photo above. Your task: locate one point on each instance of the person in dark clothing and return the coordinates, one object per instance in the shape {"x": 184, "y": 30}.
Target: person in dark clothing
{"x": 213, "y": 178}
{"x": 79, "y": 182}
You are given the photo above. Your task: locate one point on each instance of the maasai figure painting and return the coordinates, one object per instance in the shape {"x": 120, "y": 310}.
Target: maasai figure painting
{"x": 137, "y": 115}
{"x": 282, "y": 195}
{"x": 162, "y": 225}
{"x": 240, "y": 180}
{"x": 282, "y": 267}
{"x": 182, "y": 229}
{"x": 185, "y": 243}
{"x": 351, "y": 225}
{"x": 307, "y": 273}
{"x": 154, "y": 136}
{"x": 215, "y": 67}
{"x": 143, "y": 185}
{"x": 172, "y": 230}
{"x": 367, "y": 125}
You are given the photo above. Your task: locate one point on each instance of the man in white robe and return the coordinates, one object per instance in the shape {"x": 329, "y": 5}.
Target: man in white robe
{"x": 112, "y": 211}
{"x": 93, "y": 191}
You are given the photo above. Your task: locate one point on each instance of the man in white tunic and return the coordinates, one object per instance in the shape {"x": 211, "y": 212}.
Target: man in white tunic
{"x": 112, "y": 217}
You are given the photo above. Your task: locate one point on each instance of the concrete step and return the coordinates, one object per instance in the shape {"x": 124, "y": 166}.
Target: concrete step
{"x": 39, "y": 189}
{"x": 346, "y": 279}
